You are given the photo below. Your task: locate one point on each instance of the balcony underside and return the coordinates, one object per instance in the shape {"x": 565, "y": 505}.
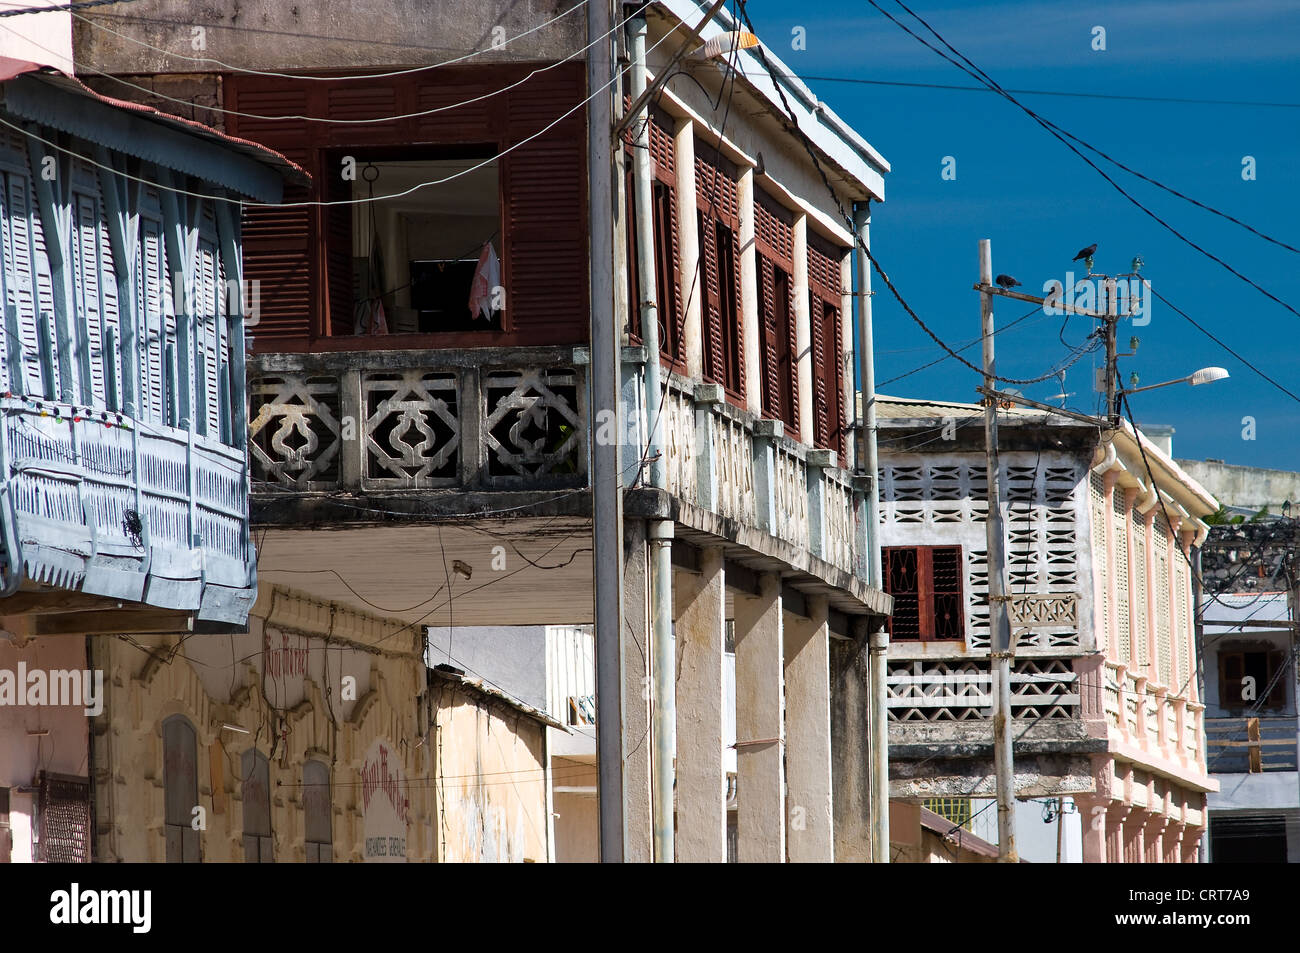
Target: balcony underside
{"x": 1038, "y": 774}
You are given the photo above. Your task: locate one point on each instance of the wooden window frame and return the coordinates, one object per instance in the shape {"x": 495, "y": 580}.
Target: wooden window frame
{"x": 721, "y": 313}
{"x": 183, "y": 845}
{"x": 777, "y": 314}
{"x": 1230, "y": 686}
{"x": 927, "y": 607}
{"x": 825, "y": 301}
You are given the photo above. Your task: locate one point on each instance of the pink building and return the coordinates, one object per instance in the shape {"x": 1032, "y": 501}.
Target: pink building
{"x": 1100, "y": 532}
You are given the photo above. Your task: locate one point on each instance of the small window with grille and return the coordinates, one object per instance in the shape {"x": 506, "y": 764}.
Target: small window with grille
{"x": 1250, "y": 678}
{"x": 926, "y": 583}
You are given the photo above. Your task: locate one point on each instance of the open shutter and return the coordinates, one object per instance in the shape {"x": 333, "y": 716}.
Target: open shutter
{"x": 545, "y": 179}
{"x": 771, "y": 338}
{"x": 710, "y": 301}
{"x": 278, "y": 242}
{"x": 1277, "y": 694}
{"x": 903, "y": 582}
{"x": 820, "y": 370}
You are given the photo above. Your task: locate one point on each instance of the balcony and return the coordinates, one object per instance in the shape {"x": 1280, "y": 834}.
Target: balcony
{"x": 743, "y": 468}
{"x": 114, "y": 509}
{"x": 1251, "y": 745}
{"x": 381, "y": 421}
{"x": 515, "y": 420}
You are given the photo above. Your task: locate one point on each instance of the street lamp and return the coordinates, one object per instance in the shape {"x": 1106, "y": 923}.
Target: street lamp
{"x": 1205, "y": 375}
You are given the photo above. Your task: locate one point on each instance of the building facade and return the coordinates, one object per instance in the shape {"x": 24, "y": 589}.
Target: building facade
{"x": 125, "y": 472}
{"x": 1105, "y": 702}
{"x": 419, "y": 412}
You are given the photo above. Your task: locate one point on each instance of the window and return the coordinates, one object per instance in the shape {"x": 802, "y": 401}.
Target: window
{"x": 422, "y": 261}
{"x": 1262, "y": 665}
{"x": 926, "y": 583}
{"x": 63, "y": 819}
{"x": 778, "y": 346}
{"x": 421, "y": 127}
{"x": 824, "y": 299}
{"x": 718, "y": 281}
{"x": 256, "y": 772}
{"x": 180, "y": 790}
{"x": 316, "y": 811}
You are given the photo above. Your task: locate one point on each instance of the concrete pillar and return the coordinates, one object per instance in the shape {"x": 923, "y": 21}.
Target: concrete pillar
{"x": 690, "y": 292}
{"x": 850, "y": 751}
{"x": 802, "y": 329}
{"x": 1153, "y": 838}
{"x": 760, "y": 723}
{"x": 1094, "y": 812}
{"x": 699, "y": 606}
{"x": 753, "y": 333}
{"x": 1191, "y": 845}
{"x": 638, "y": 845}
{"x": 1116, "y": 835}
{"x": 1134, "y": 844}
{"x": 809, "y": 812}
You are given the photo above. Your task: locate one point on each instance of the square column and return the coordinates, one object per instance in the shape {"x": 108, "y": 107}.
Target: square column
{"x": 700, "y": 600}
{"x": 760, "y": 723}
{"x": 809, "y": 825}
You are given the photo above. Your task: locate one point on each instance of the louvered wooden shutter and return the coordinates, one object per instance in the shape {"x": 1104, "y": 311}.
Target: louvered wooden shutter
{"x": 278, "y": 242}
{"x": 633, "y": 279}
{"x": 710, "y": 300}
{"x": 545, "y": 261}
{"x": 771, "y": 338}
{"x": 824, "y": 284}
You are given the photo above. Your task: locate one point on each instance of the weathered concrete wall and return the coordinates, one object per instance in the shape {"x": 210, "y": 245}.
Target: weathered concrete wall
{"x": 1251, "y": 487}
{"x": 490, "y": 780}
{"x": 160, "y": 36}
{"x": 285, "y": 684}
{"x": 23, "y": 752}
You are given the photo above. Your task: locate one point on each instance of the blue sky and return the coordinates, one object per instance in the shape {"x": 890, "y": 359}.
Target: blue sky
{"x": 1039, "y": 203}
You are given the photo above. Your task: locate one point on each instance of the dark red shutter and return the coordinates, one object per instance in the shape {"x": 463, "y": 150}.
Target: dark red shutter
{"x": 771, "y": 338}
{"x": 545, "y": 260}
{"x": 926, "y": 583}
{"x": 824, "y": 289}
{"x": 277, "y": 242}
{"x": 301, "y": 256}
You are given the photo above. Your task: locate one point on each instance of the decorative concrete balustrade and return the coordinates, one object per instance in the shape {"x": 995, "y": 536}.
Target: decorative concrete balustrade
{"x": 727, "y": 461}
{"x": 491, "y": 419}
{"x": 481, "y": 418}
{"x": 1153, "y": 719}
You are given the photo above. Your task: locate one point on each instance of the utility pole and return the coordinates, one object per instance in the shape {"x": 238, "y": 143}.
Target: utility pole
{"x": 999, "y": 621}
{"x": 607, "y": 493}
{"x": 868, "y": 464}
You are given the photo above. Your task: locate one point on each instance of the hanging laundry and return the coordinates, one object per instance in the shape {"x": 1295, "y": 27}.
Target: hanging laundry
{"x": 370, "y": 318}
{"x": 487, "y": 278}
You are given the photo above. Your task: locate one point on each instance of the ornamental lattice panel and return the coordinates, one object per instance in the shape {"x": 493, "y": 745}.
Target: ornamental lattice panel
{"x": 533, "y": 426}
{"x": 294, "y": 430}
{"x": 1123, "y": 622}
{"x": 940, "y": 691}
{"x": 927, "y": 504}
{"x": 1162, "y": 621}
{"x": 1141, "y": 652}
{"x": 412, "y": 429}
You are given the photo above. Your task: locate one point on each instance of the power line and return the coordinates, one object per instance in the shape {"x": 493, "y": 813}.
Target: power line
{"x": 1194, "y": 323}
{"x": 62, "y": 7}
{"x": 330, "y": 119}
{"x": 322, "y": 204}
{"x": 975, "y": 72}
{"x": 1036, "y": 92}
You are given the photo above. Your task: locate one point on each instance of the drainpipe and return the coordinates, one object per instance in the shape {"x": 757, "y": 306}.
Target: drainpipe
{"x": 663, "y": 720}
{"x": 869, "y": 464}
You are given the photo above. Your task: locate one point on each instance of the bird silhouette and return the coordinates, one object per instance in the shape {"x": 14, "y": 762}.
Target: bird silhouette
{"x": 1006, "y": 281}
{"x": 1086, "y": 253}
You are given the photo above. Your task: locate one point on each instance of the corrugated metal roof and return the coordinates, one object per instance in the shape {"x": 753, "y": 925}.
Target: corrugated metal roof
{"x": 456, "y": 677}
{"x": 917, "y": 408}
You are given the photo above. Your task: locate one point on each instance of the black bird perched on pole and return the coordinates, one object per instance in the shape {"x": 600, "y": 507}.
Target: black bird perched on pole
{"x": 1006, "y": 281}
{"x": 1086, "y": 253}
